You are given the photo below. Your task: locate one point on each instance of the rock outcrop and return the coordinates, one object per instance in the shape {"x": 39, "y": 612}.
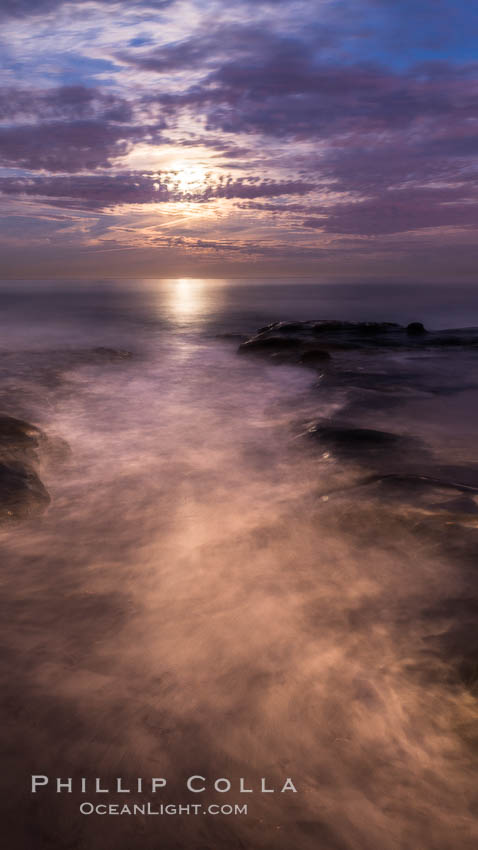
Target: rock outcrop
{"x": 300, "y": 342}
{"x": 22, "y": 447}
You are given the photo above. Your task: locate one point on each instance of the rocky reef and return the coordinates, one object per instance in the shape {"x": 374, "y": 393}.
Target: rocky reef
{"x": 313, "y": 342}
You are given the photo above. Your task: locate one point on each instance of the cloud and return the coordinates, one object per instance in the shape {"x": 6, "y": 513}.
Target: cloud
{"x": 25, "y": 8}
{"x": 208, "y": 46}
{"x": 67, "y": 128}
{"x": 256, "y": 80}
{"x": 244, "y": 188}
{"x": 390, "y": 212}
{"x": 89, "y": 191}
{"x": 59, "y": 146}
{"x": 325, "y": 132}
{"x": 398, "y": 212}
{"x": 65, "y": 103}
{"x": 98, "y": 192}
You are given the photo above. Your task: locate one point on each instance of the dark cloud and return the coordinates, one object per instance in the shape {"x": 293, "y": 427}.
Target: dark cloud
{"x": 258, "y": 81}
{"x": 91, "y": 191}
{"x": 208, "y": 47}
{"x": 65, "y": 103}
{"x": 102, "y": 191}
{"x": 289, "y": 95}
{"x": 68, "y": 128}
{"x": 60, "y": 146}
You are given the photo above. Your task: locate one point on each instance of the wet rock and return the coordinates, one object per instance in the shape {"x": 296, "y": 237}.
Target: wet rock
{"x": 22, "y": 442}
{"x": 297, "y": 337}
{"x": 324, "y": 326}
{"x": 22, "y": 493}
{"x": 269, "y": 344}
{"x": 424, "y": 483}
{"x": 416, "y": 328}
{"x": 378, "y": 450}
{"x": 314, "y": 357}
{"x": 453, "y": 339}
{"x": 18, "y": 439}
{"x": 348, "y": 438}
{"x": 433, "y": 496}
{"x": 22, "y": 447}
{"x": 283, "y": 327}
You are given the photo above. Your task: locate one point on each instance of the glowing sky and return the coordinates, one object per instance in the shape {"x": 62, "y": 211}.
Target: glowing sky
{"x": 334, "y": 138}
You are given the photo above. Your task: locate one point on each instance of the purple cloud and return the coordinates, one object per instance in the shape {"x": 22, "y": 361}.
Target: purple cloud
{"x": 101, "y": 191}
{"x": 59, "y": 146}
{"x": 69, "y": 128}
{"x": 90, "y": 191}
{"x": 63, "y": 103}
{"x": 399, "y": 212}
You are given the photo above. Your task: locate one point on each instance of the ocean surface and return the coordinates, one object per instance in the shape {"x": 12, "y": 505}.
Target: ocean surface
{"x": 212, "y": 591}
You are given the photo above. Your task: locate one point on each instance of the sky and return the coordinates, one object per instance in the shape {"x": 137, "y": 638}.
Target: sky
{"x": 335, "y": 139}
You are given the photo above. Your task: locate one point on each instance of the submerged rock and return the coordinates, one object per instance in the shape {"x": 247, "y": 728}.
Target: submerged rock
{"x": 430, "y": 495}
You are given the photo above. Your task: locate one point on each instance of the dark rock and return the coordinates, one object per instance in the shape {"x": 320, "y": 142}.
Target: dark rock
{"x": 314, "y": 357}
{"x": 349, "y": 437}
{"x": 298, "y": 337}
{"x": 22, "y": 446}
{"x": 334, "y": 334}
{"x": 268, "y": 344}
{"x": 425, "y": 483}
{"x": 325, "y": 325}
{"x": 14, "y": 430}
{"x": 454, "y": 340}
{"x": 18, "y": 439}
{"x": 22, "y": 494}
{"x": 286, "y": 327}
{"x": 429, "y": 492}
{"x": 377, "y": 449}
{"x": 415, "y": 328}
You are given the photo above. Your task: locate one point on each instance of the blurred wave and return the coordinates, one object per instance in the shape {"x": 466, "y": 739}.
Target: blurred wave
{"x": 192, "y": 602}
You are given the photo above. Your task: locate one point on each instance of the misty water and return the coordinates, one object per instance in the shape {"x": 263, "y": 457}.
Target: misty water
{"x": 210, "y": 592}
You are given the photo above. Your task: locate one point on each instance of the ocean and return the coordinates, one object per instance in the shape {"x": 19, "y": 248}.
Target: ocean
{"x": 224, "y": 586}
